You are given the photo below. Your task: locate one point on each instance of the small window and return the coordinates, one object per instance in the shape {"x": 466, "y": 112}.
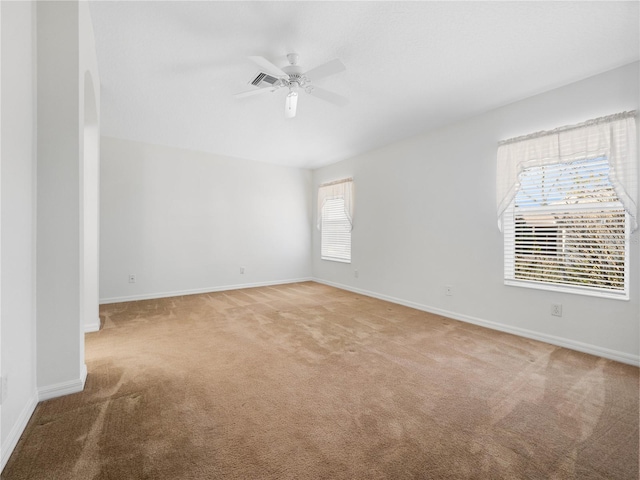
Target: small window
{"x": 335, "y": 232}
{"x": 567, "y": 230}
{"x": 335, "y": 220}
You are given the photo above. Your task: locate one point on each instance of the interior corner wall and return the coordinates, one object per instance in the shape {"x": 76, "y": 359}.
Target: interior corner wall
{"x": 17, "y": 217}
{"x": 425, "y": 218}
{"x": 186, "y": 222}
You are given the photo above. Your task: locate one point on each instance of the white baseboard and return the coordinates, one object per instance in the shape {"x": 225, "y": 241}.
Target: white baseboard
{"x": 622, "y": 357}
{"x": 92, "y": 327}
{"x": 64, "y": 388}
{"x": 18, "y": 428}
{"x": 152, "y": 296}
{"x": 44, "y": 393}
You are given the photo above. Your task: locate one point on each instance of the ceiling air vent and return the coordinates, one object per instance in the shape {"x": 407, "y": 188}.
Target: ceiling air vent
{"x": 264, "y": 78}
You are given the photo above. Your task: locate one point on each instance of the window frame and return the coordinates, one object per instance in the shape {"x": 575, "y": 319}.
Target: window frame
{"x": 342, "y": 189}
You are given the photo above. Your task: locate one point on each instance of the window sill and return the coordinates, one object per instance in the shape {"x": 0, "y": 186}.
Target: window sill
{"x": 568, "y": 289}
{"x": 339, "y": 260}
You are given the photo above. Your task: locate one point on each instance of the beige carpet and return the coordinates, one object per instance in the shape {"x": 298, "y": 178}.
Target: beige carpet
{"x": 305, "y": 381}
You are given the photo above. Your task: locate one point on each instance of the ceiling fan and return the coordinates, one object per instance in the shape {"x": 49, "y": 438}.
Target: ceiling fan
{"x": 293, "y": 77}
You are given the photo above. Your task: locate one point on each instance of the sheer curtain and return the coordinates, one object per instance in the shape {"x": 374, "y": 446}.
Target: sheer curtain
{"x": 338, "y": 189}
{"x": 613, "y": 137}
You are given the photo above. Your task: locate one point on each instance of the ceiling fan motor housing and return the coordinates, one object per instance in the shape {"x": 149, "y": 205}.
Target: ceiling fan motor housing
{"x": 295, "y": 75}
{"x": 301, "y": 80}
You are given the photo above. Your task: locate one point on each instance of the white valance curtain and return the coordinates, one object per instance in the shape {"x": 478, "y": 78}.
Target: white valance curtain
{"x": 338, "y": 189}
{"x": 613, "y": 137}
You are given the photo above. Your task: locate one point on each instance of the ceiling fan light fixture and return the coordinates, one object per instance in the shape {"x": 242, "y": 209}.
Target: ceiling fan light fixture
{"x": 291, "y": 103}
{"x": 293, "y": 90}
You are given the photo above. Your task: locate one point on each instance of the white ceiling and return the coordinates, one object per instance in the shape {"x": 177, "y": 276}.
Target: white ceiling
{"x": 169, "y": 69}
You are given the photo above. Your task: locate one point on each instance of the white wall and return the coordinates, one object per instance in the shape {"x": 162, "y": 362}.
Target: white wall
{"x": 18, "y": 219}
{"x": 425, "y": 217}
{"x": 46, "y": 49}
{"x": 89, "y": 94}
{"x": 90, "y": 178}
{"x": 1, "y": 370}
{"x": 67, "y": 194}
{"x": 185, "y": 222}
{"x": 58, "y": 219}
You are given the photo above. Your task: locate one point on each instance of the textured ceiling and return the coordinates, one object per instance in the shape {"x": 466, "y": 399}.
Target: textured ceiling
{"x": 169, "y": 69}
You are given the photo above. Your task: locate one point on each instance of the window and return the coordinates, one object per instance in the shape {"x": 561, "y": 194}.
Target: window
{"x": 567, "y": 227}
{"x": 568, "y": 207}
{"x": 335, "y": 217}
{"x": 335, "y": 234}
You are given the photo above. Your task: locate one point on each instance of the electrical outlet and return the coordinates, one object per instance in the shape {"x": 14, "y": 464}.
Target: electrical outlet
{"x": 356, "y": 274}
{"x": 448, "y": 290}
{"x": 241, "y": 270}
{"x": 556, "y": 309}
{"x": 132, "y": 278}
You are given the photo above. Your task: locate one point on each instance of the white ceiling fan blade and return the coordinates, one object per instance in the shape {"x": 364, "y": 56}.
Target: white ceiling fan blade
{"x": 291, "y": 105}
{"x": 254, "y": 92}
{"x": 326, "y": 69}
{"x": 328, "y": 96}
{"x": 267, "y": 66}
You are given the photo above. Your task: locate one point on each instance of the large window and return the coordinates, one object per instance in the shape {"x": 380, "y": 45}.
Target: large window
{"x": 335, "y": 219}
{"x": 566, "y": 227}
{"x": 567, "y": 203}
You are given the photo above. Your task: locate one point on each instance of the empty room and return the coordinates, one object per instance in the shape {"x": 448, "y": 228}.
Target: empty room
{"x": 319, "y": 240}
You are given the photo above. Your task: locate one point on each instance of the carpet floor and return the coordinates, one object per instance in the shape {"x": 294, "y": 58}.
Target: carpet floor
{"x": 305, "y": 381}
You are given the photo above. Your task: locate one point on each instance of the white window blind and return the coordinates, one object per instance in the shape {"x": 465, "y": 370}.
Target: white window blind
{"x": 335, "y": 220}
{"x": 567, "y": 202}
{"x": 566, "y": 229}
{"x": 335, "y": 232}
